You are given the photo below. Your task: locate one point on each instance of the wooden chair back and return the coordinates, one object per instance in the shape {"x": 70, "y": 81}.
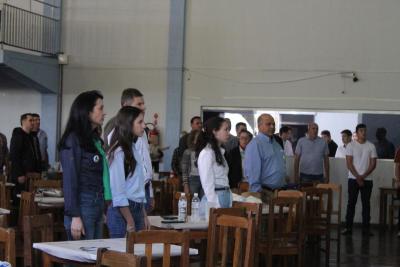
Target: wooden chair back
{"x": 160, "y": 201}
{"x": 254, "y": 209}
{"x": 3, "y": 178}
{"x": 7, "y": 240}
{"x": 243, "y": 187}
{"x": 290, "y": 193}
{"x": 37, "y": 228}
{"x": 31, "y": 177}
{"x": 318, "y": 210}
{"x": 3, "y": 196}
{"x": 243, "y": 241}
{"x": 27, "y": 207}
{"x": 175, "y": 201}
{"x": 172, "y": 185}
{"x": 47, "y": 184}
{"x": 111, "y": 258}
{"x": 165, "y": 237}
{"x": 285, "y": 228}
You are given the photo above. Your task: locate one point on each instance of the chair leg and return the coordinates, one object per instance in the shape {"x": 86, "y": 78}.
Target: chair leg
{"x": 327, "y": 249}
{"x": 339, "y": 236}
{"x": 390, "y": 217}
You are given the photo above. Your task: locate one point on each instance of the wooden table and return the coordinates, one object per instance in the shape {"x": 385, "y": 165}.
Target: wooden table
{"x": 84, "y": 252}
{"x": 198, "y": 230}
{"x": 384, "y": 192}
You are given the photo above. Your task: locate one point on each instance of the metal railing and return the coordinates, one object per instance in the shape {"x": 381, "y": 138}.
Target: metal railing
{"x": 27, "y": 30}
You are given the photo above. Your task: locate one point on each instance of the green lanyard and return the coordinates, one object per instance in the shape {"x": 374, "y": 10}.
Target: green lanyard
{"x": 106, "y": 171}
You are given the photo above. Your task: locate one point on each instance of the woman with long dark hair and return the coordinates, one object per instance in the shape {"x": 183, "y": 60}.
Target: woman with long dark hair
{"x": 212, "y": 166}
{"x": 85, "y": 168}
{"x": 127, "y": 212}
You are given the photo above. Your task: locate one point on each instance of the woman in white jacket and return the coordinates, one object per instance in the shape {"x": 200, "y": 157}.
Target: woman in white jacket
{"x": 213, "y": 168}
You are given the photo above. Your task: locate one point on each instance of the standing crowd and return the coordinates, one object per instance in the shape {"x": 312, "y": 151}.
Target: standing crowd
{"x": 111, "y": 169}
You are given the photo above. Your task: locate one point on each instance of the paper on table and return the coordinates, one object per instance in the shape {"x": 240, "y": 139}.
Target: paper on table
{"x": 249, "y": 199}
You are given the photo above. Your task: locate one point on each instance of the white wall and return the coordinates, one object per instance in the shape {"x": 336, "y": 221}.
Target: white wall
{"x": 14, "y": 103}
{"x": 113, "y": 46}
{"x": 335, "y": 123}
{"x": 239, "y": 52}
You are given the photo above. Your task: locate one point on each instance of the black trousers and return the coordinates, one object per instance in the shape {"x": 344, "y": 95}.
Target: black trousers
{"x": 353, "y": 190}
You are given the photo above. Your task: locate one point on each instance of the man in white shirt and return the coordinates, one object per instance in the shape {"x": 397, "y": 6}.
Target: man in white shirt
{"x": 346, "y": 139}
{"x": 285, "y": 133}
{"x": 361, "y": 162}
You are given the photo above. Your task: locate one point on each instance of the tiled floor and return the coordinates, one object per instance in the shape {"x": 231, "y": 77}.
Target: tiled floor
{"x": 383, "y": 249}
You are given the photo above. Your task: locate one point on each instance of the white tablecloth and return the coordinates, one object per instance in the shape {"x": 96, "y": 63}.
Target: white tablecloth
{"x": 156, "y": 222}
{"x": 86, "y": 250}
{"x": 4, "y": 211}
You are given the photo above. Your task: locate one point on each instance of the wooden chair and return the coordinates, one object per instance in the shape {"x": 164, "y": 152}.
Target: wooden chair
{"x": 317, "y": 221}
{"x": 336, "y": 212}
{"x": 175, "y": 200}
{"x": 27, "y": 207}
{"x": 37, "y": 228}
{"x": 172, "y": 185}
{"x": 118, "y": 259}
{"x": 47, "y": 184}
{"x": 394, "y": 205}
{"x": 3, "y": 178}
{"x": 31, "y": 177}
{"x": 243, "y": 254}
{"x": 165, "y": 237}
{"x": 7, "y": 242}
{"x": 243, "y": 187}
{"x": 255, "y": 210}
{"x": 3, "y": 196}
{"x": 290, "y": 193}
{"x": 159, "y": 197}
{"x": 285, "y": 234}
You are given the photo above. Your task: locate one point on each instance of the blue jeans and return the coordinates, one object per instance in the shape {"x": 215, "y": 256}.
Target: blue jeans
{"x": 116, "y": 222}
{"x": 224, "y": 198}
{"x": 92, "y": 206}
{"x": 309, "y": 178}
{"x": 195, "y": 186}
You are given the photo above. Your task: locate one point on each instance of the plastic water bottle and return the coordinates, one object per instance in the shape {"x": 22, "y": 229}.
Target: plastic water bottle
{"x": 182, "y": 207}
{"x": 195, "y": 208}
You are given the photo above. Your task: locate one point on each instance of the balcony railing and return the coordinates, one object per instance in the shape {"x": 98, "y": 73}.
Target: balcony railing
{"x": 27, "y": 30}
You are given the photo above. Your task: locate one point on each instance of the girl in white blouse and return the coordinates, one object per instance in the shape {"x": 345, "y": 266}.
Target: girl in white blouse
{"x": 213, "y": 168}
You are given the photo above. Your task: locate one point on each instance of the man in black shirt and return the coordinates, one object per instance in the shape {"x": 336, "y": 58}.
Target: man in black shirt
{"x": 23, "y": 157}
{"x": 326, "y": 135}
{"x": 384, "y": 148}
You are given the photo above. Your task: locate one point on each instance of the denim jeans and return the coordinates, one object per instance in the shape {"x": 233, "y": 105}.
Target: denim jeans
{"x": 92, "y": 206}
{"x": 195, "y": 186}
{"x": 224, "y": 198}
{"x": 353, "y": 189}
{"x": 116, "y": 222}
{"x": 309, "y": 178}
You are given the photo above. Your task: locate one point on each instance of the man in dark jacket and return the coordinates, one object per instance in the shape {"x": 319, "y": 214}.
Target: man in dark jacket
{"x": 235, "y": 159}
{"x": 23, "y": 157}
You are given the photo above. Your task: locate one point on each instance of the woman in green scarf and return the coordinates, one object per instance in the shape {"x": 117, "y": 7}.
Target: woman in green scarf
{"x": 85, "y": 168}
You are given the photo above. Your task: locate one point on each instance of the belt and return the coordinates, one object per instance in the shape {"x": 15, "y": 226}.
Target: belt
{"x": 222, "y": 189}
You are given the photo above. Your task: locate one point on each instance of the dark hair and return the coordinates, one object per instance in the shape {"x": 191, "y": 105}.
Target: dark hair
{"x": 194, "y": 118}
{"x": 123, "y": 137}
{"x": 326, "y": 132}
{"x": 284, "y": 129}
{"x": 240, "y": 124}
{"x": 249, "y": 134}
{"x": 194, "y": 138}
{"x": 24, "y": 117}
{"x": 212, "y": 124}
{"x": 361, "y": 126}
{"x": 346, "y": 132}
{"x": 129, "y": 94}
{"x": 79, "y": 121}
{"x": 381, "y": 130}
{"x": 35, "y": 115}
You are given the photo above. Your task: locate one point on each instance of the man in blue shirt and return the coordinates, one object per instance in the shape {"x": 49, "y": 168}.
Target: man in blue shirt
{"x": 264, "y": 161}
